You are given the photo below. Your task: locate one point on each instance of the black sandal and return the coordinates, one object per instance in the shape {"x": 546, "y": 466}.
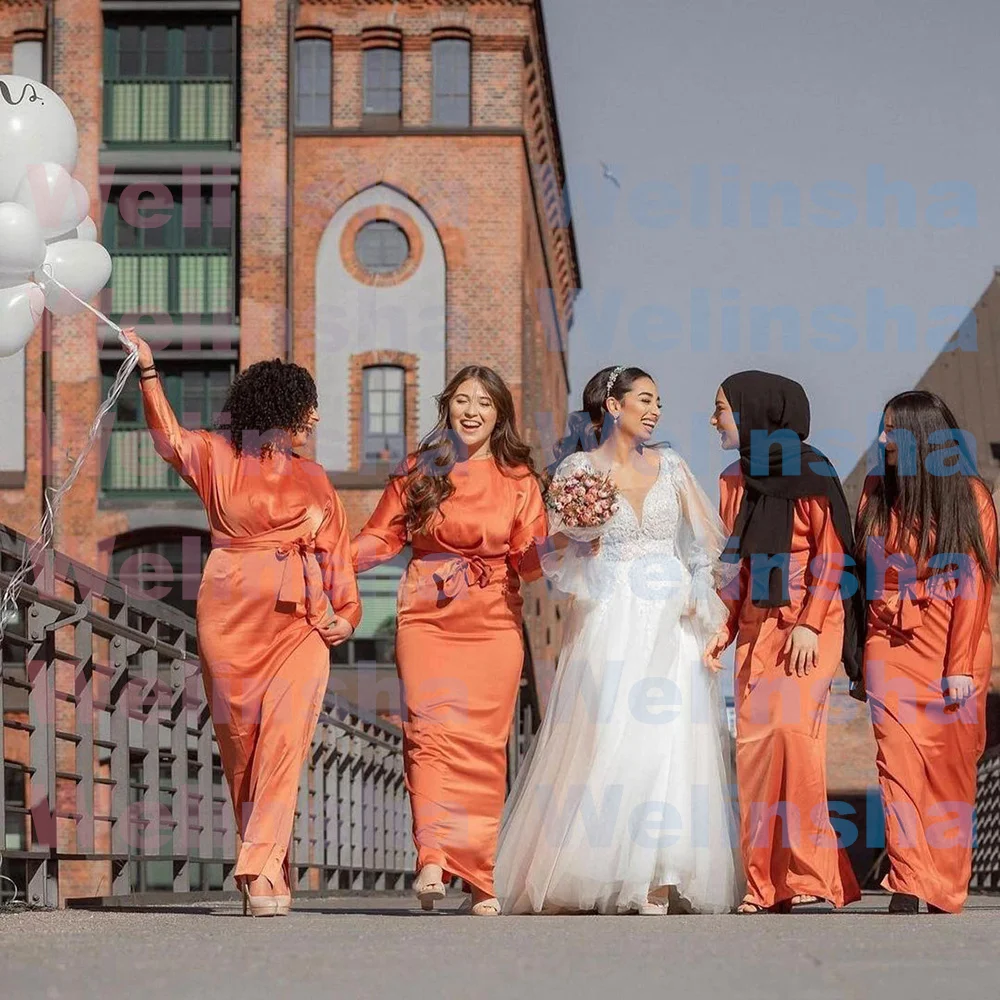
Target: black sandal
{"x": 904, "y": 902}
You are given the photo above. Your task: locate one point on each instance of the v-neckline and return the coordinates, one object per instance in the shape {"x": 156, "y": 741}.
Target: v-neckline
{"x": 640, "y": 514}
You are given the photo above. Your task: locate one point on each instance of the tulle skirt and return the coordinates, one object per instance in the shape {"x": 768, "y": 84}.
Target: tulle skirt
{"x": 627, "y": 785}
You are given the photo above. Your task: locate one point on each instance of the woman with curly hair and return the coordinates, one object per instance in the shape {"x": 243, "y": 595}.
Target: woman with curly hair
{"x": 277, "y": 591}
{"x": 469, "y": 504}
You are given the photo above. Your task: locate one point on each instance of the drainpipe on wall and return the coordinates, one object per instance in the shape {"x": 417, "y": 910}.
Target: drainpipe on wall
{"x": 293, "y": 9}
{"x": 48, "y": 410}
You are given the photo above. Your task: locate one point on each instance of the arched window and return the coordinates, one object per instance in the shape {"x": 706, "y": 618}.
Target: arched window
{"x": 163, "y": 565}
{"x": 383, "y": 415}
{"x": 452, "y": 82}
{"x": 383, "y": 85}
{"x": 312, "y": 81}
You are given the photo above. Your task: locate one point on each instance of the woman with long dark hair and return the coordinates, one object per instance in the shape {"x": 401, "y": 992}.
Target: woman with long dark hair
{"x": 794, "y": 619}
{"x": 927, "y": 531}
{"x": 278, "y": 590}
{"x": 469, "y": 504}
{"x": 624, "y": 804}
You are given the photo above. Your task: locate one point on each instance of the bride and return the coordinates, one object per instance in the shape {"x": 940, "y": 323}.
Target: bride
{"x": 624, "y": 803}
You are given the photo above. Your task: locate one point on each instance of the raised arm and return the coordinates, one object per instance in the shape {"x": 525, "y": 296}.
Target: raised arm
{"x": 189, "y": 452}
{"x": 385, "y": 533}
{"x": 528, "y": 532}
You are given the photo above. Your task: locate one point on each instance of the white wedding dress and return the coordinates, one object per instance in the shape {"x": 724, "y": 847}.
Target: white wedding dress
{"x": 626, "y": 787}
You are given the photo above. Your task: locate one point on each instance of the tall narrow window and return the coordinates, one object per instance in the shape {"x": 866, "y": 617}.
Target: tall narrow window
{"x": 384, "y": 438}
{"x": 312, "y": 81}
{"x": 28, "y": 58}
{"x": 383, "y": 84}
{"x": 452, "y": 82}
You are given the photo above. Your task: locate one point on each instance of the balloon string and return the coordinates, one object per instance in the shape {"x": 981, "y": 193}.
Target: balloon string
{"x": 45, "y": 529}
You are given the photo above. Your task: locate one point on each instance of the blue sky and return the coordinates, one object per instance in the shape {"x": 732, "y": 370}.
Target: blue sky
{"x": 806, "y": 187}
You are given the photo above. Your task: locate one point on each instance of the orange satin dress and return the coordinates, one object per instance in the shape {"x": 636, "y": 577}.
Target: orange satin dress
{"x": 788, "y": 843}
{"x": 279, "y": 569}
{"x": 920, "y": 632}
{"x": 459, "y": 654}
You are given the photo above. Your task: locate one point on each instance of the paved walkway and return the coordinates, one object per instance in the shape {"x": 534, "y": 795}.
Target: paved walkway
{"x": 355, "y": 949}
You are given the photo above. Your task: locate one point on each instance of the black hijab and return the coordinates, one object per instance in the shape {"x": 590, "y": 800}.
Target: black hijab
{"x": 773, "y": 405}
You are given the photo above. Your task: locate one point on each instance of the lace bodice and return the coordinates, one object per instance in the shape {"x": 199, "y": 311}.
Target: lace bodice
{"x": 627, "y": 536}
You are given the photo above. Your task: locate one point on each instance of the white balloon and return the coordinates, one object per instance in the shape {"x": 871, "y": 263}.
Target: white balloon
{"x": 83, "y": 267}
{"x": 22, "y": 248}
{"x": 59, "y": 201}
{"x": 87, "y": 230}
{"x": 35, "y": 127}
{"x": 21, "y": 308}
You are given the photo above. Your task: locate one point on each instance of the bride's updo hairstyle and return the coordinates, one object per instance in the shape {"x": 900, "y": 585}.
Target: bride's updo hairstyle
{"x": 586, "y": 428}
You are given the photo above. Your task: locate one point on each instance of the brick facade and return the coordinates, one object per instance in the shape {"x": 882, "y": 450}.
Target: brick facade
{"x": 492, "y": 192}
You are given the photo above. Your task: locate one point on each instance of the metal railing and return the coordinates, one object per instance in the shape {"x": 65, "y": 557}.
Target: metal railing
{"x": 112, "y": 779}
{"x": 986, "y": 852}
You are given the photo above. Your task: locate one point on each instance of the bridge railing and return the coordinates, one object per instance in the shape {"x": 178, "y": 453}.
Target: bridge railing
{"x": 112, "y": 778}
{"x": 986, "y": 852}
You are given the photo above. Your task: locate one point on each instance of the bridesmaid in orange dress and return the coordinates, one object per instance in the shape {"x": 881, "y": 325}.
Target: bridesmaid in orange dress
{"x": 469, "y": 504}
{"x": 787, "y": 513}
{"x": 278, "y": 590}
{"x": 929, "y": 652}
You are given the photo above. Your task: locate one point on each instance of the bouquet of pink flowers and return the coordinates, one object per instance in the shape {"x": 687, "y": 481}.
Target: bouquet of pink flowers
{"x": 581, "y": 504}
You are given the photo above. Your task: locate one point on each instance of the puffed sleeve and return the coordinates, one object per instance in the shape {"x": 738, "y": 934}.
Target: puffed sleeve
{"x": 333, "y": 547}
{"x": 971, "y": 605}
{"x": 701, "y": 538}
{"x": 529, "y": 530}
{"x": 826, "y": 562}
{"x": 734, "y": 592}
{"x": 384, "y": 535}
{"x": 189, "y": 452}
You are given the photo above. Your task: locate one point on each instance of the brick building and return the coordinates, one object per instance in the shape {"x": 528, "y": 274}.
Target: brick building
{"x": 371, "y": 189}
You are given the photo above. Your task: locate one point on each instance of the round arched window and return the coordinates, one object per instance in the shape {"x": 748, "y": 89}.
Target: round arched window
{"x": 381, "y": 247}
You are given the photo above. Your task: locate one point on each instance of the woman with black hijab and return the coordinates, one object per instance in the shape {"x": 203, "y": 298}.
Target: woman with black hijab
{"x": 795, "y": 613}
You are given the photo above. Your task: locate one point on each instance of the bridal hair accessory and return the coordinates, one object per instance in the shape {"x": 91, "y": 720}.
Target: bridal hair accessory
{"x": 612, "y": 378}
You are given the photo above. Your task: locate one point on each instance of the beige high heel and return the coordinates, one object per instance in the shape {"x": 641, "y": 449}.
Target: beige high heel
{"x": 486, "y": 908}
{"x": 264, "y": 906}
{"x": 429, "y": 892}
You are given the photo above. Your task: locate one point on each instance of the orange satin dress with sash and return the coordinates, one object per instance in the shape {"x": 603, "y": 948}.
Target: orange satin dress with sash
{"x": 924, "y": 626}
{"x": 788, "y": 843}
{"x": 459, "y": 653}
{"x": 279, "y": 570}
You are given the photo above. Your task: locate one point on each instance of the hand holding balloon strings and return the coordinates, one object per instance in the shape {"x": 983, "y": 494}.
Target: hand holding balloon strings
{"x": 49, "y": 258}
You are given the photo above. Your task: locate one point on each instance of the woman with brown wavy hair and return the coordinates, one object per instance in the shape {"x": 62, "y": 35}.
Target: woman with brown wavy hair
{"x": 469, "y": 504}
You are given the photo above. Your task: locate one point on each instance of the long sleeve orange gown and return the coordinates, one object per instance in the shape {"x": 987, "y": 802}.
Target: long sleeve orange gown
{"x": 788, "y": 843}
{"x": 459, "y": 654}
{"x": 279, "y": 569}
{"x": 920, "y": 632}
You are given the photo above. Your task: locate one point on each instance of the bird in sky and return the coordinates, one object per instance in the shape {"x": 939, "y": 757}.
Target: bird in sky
{"x": 609, "y": 175}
